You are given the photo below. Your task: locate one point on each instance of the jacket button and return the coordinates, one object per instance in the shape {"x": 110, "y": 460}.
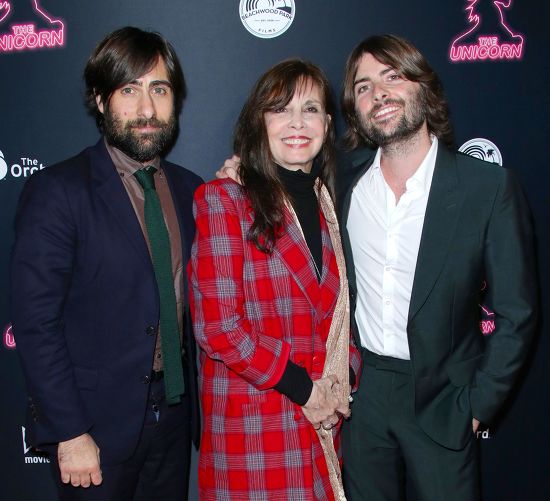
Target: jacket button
{"x": 146, "y": 379}
{"x": 151, "y": 330}
{"x": 297, "y": 416}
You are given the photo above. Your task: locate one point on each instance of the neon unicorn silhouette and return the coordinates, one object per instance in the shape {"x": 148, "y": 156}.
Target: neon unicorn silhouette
{"x": 31, "y": 28}
{"x": 488, "y": 37}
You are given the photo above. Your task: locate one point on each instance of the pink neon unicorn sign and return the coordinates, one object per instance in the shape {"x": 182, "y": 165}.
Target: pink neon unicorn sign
{"x": 34, "y": 29}
{"x": 488, "y": 36}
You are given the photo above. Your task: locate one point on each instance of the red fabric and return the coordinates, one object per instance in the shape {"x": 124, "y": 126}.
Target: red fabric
{"x": 251, "y": 313}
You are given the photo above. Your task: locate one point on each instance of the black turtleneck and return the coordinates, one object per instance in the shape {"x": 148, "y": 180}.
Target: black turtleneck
{"x": 300, "y": 187}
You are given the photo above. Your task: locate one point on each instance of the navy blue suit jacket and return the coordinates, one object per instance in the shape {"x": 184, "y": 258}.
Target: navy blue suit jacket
{"x": 85, "y": 303}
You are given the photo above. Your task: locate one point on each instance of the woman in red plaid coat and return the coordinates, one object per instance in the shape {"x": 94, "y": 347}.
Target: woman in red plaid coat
{"x": 269, "y": 301}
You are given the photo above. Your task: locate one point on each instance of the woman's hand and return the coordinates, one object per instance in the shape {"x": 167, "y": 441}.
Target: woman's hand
{"x": 324, "y": 404}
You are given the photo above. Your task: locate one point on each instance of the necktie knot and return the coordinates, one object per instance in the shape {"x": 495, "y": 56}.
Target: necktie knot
{"x": 145, "y": 177}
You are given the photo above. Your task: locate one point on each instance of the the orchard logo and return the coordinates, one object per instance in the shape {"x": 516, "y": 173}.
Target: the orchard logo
{"x": 28, "y": 26}
{"x": 7, "y": 337}
{"x": 23, "y": 168}
{"x": 488, "y": 35}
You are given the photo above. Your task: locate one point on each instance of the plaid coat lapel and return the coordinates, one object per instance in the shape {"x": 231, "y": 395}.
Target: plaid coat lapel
{"x": 292, "y": 250}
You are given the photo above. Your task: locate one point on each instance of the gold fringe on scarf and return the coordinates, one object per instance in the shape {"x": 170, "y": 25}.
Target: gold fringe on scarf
{"x": 337, "y": 347}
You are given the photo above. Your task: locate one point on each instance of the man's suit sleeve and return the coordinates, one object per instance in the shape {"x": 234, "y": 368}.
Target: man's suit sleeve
{"x": 41, "y": 272}
{"x": 512, "y": 294}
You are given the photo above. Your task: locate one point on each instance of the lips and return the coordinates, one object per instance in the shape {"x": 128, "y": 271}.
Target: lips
{"x": 296, "y": 141}
{"x": 385, "y": 111}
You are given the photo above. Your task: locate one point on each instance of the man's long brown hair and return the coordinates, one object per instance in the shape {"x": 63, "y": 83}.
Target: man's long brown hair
{"x": 258, "y": 171}
{"x": 406, "y": 59}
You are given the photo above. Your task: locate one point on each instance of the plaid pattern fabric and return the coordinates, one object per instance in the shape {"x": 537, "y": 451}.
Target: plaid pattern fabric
{"x": 251, "y": 313}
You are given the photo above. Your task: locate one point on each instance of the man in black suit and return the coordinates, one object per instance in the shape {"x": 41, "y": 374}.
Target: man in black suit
{"x": 99, "y": 294}
{"x": 423, "y": 227}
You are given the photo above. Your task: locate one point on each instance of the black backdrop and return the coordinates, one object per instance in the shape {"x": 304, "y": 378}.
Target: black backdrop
{"x": 43, "y": 120}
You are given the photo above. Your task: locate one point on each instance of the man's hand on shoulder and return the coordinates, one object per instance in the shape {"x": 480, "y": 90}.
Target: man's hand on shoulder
{"x": 79, "y": 461}
{"x": 230, "y": 169}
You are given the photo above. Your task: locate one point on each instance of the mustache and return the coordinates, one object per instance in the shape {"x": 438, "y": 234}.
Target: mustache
{"x": 146, "y": 122}
{"x": 377, "y": 107}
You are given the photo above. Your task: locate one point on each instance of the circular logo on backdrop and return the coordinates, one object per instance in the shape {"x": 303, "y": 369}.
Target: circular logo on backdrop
{"x": 483, "y": 149}
{"x": 267, "y": 18}
{"x": 3, "y": 166}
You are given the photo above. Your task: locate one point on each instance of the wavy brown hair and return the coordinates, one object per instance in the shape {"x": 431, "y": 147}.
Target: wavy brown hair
{"x": 126, "y": 55}
{"x": 406, "y": 59}
{"x": 258, "y": 171}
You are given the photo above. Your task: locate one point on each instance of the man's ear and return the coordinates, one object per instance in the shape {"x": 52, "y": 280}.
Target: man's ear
{"x": 99, "y": 103}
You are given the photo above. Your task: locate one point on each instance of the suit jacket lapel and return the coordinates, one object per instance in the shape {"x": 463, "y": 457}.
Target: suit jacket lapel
{"x": 360, "y": 163}
{"x": 182, "y": 198}
{"x": 110, "y": 189}
{"x": 293, "y": 251}
{"x": 439, "y": 226}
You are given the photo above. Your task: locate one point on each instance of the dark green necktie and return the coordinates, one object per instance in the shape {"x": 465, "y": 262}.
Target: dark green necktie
{"x": 159, "y": 242}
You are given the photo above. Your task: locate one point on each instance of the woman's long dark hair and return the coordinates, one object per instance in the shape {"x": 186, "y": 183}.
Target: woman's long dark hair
{"x": 258, "y": 171}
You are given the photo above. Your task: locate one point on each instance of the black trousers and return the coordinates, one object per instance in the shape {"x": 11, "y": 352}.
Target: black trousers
{"x": 159, "y": 467}
{"x": 385, "y": 451}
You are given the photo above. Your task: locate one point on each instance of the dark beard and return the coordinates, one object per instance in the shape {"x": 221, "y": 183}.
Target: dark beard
{"x": 139, "y": 147}
{"x": 409, "y": 124}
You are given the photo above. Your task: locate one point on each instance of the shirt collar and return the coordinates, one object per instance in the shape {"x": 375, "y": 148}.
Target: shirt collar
{"x": 422, "y": 178}
{"x": 126, "y": 165}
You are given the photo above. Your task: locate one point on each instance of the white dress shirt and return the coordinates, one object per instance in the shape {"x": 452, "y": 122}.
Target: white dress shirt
{"x": 385, "y": 238}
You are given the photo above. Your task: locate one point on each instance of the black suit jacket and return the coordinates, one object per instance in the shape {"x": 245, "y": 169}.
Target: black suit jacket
{"x": 477, "y": 227}
{"x": 85, "y": 305}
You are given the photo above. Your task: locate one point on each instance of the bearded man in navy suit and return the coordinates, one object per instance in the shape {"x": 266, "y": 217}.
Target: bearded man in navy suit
{"x": 88, "y": 299}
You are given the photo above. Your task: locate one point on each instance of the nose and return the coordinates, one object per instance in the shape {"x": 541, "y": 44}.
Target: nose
{"x": 146, "y": 106}
{"x": 296, "y": 119}
{"x": 379, "y": 92}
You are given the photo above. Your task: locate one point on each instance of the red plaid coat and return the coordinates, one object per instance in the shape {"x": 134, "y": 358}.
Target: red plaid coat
{"x": 251, "y": 313}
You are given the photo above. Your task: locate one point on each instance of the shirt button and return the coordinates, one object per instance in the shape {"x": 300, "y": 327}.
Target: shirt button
{"x": 146, "y": 379}
{"x": 387, "y": 268}
{"x": 297, "y": 416}
{"x": 151, "y": 330}
{"x": 388, "y": 303}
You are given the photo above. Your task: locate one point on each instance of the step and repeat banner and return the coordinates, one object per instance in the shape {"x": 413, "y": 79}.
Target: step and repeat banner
{"x": 492, "y": 56}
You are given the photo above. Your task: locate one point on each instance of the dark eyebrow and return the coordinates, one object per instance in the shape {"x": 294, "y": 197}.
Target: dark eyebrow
{"x": 361, "y": 80}
{"x": 154, "y": 83}
{"x": 367, "y": 79}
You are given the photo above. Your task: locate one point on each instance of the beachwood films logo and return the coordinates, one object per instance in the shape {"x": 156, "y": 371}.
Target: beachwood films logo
{"x": 488, "y": 35}
{"x": 267, "y": 18}
{"x": 483, "y": 149}
{"x": 24, "y": 168}
{"x": 34, "y": 29}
